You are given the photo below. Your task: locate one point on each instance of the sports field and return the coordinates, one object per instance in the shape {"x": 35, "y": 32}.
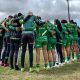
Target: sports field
{"x": 66, "y": 72}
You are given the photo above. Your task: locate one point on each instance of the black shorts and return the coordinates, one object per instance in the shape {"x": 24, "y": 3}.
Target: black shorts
{"x": 27, "y": 38}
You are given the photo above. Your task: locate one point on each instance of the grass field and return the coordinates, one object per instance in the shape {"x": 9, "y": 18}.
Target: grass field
{"x": 67, "y": 72}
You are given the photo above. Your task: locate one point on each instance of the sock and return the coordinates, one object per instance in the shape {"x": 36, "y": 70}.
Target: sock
{"x": 57, "y": 56}
{"x": 50, "y": 63}
{"x": 53, "y": 63}
{"x": 75, "y": 55}
{"x": 79, "y": 55}
{"x": 65, "y": 55}
{"x": 6, "y": 60}
{"x": 63, "y": 59}
{"x": 68, "y": 58}
{"x": 46, "y": 65}
{"x": 72, "y": 55}
{"x": 37, "y": 65}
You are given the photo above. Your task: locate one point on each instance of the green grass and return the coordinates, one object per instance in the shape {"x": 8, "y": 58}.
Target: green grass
{"x": 67, "y": 72}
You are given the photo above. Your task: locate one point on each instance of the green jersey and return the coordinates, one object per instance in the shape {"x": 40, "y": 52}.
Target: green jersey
{"x": 53, "y": 30}
{"x": 28, "y": 24}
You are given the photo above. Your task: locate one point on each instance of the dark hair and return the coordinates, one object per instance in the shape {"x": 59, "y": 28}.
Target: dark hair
{"x": 10, "y": 16}
{"x": 63, "y": 21}
{"x": 38, "y": 17}
{"x": 72, "y": 21}
{"x": 15, "y": 15}
{"x": 57, "y": 22}
{"x": 19, "y": 14}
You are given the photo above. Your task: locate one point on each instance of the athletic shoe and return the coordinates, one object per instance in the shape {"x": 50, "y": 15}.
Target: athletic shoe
{"x": 6, "y": 65}
{"x": 56, "y": 65}
{"x": 2, "y": 64}
{"x": 47, "y": 68}
{"x": 61, "y": 64}
{"x": 75, "y": 58}
{"x": 37, "y": 69}
{"x": 11, "y": 67}
{"x": 16, "y": 67}
{"x": 22, "y": 69}
{"x": 30, "y": 70}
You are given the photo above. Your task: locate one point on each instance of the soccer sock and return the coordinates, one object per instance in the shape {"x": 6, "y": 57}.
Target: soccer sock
{"x": 63, "y": 59}
{"x": 68, "y": 58}
{"x": 75, "y": 57}
{"x": 65, "y": 55}
{"x": 50, "y": 63}
{"x": 78, "y": 55}
{"x": 57, "y": 57}
{"x": 46, "y": 65}
{"x": 37, "y": 65}
{"x": 53, "y": 63}
{"x": 72, "y": 55}
{"x": 6, "y": 60}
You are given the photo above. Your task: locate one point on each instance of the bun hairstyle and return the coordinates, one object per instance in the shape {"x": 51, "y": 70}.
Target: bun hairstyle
{"x": 63, "y": 21}
{"x": 19, "y": 14}
{"x": 10, "y": 16}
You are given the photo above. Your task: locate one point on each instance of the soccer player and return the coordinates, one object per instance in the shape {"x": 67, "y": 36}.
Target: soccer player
{"x": 28, "y": 39}
{"x": 79, "y": 41}
{"x": 2, "y": 31}
{"x": 65, "y": 40}
{"x": 6, "y": 41}
{"x": 15, "y": 40}
{"x": 52, "y": 41}
{"x": 59, "y": 46}
{"x": 75, "y": 48}
{"x": 41, "y": 42}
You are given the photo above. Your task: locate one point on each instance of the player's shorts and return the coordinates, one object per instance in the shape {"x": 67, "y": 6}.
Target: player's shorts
{"x": 51, "y": 43}
{"x": 66, "y": 41}
{"x": 71, "y": 39}
{"x": 41, "y": 41}
{"x": 75, "y": 39}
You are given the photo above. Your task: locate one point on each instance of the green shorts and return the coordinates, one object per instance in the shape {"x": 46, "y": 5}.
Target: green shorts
{"x": 66, "y": 41}
{"x": 71, "y": 39}
{"x": 41, "y": 41}
{"x": 51, "y": 43}
{"x": 75, "y": 39}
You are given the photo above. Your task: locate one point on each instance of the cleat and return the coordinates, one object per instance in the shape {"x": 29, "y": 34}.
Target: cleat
{"x": 6, "y": 65}
{"x": 22, "y": 69}
{"x": 37, "y": 69}
{"x": 2, "y": 64}
{"x": 16, "y": 67}
{"x": 47, "y": 68}
{"x": 56, "y": 66}
{"x": 30, "y": 70}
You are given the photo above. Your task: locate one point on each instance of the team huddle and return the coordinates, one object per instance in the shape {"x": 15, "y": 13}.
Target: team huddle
{"x": 58, "y": 39}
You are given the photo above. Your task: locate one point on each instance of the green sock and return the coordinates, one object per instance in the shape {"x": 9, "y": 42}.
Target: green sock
{"x": 38, "y": 65}
{"x": 50, "y": 63}
{"x": 68, "y": 58}
{"x": 72, "y": 55}
{"x": 53, "y": 63}
{"x": 46, "y": 65}
{"x": 79, "y": 55}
